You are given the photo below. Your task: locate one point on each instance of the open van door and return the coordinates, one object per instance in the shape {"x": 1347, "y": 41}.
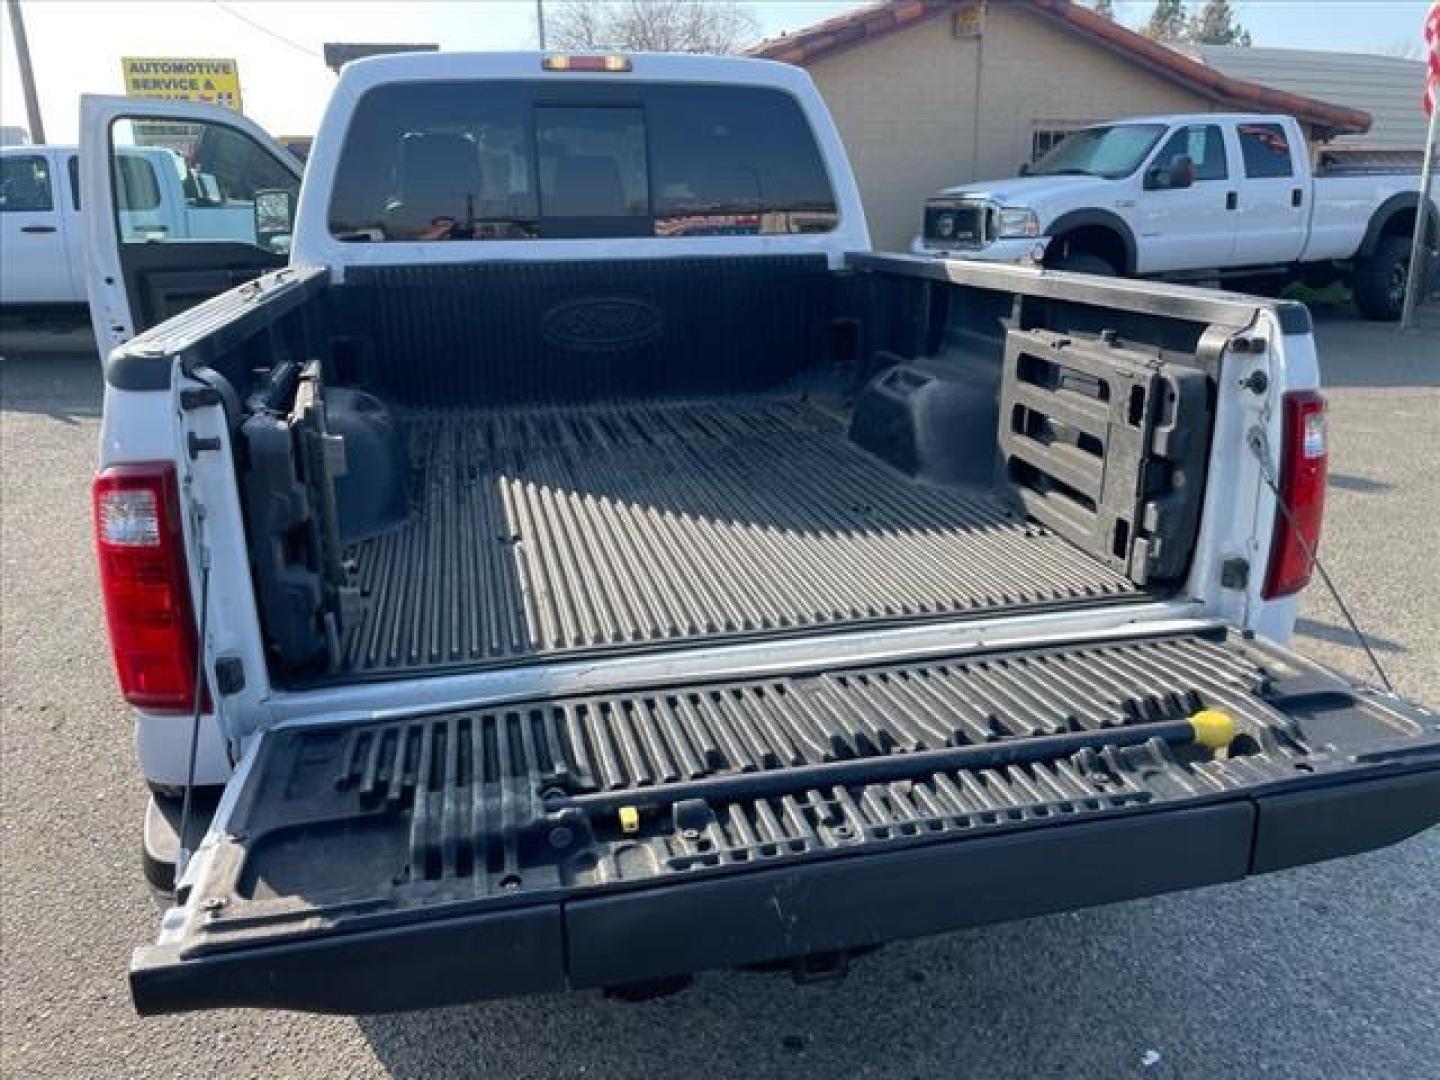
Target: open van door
{"x": 182, "y": 201}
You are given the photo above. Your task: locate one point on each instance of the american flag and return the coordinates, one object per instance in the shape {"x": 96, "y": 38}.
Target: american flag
{"x": 1432, "y": 57}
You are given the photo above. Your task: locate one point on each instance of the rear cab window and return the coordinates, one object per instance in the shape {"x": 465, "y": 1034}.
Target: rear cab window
{"x": 1266, "y": 151}
{"x": 471, "y": 160}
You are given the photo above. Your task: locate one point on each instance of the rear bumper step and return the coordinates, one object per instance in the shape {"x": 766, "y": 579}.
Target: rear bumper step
{"x": 571, "y": 843}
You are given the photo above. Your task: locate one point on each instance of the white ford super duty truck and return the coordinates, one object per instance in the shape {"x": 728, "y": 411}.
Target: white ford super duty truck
{"x": 585, "y": 562}
{"x": 1197, "y": 197}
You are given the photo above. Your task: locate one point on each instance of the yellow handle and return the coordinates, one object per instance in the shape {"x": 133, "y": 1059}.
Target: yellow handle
{"x": 1214, "y": 730}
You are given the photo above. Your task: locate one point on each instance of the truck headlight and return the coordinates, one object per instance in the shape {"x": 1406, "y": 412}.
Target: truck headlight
{"x": 1016, "y": 222}
{"x": 945, "y": 225}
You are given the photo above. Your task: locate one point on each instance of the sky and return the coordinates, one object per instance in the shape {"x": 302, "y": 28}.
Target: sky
{"x": 76, "y": 45}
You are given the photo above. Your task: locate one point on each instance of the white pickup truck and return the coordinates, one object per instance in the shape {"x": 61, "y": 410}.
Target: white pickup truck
{"x": 1193, "y": 198}
{"x": 587, "y": 563}
{"x": 162, "y": 194}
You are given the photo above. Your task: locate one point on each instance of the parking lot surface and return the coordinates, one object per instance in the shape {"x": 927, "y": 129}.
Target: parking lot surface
{"x": 1327, "y": 971}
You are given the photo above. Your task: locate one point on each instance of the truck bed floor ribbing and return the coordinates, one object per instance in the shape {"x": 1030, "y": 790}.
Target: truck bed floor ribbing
{"x": 556, "y": 530}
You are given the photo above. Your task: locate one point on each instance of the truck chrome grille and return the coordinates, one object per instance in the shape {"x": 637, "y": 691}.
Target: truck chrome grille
{"x": 958, "y": 224}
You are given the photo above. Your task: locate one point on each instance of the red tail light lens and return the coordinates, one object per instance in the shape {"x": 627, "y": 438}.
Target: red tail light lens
{"x": 1304, "y": 466}
{"x": 145, "y": 585}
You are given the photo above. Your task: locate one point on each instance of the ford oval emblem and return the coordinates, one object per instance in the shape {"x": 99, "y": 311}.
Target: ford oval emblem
{"x": 603, "y": 322}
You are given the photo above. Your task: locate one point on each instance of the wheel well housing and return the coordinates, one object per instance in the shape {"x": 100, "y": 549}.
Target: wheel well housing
{"x": 1396, "y": 217}
{"x": 1095, "y": 232}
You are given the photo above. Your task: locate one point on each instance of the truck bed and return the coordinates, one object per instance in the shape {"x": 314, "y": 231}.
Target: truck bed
{"x": 554, "y": 530}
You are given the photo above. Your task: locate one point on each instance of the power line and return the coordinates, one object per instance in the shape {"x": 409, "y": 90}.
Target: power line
{"x": 266, "y": 30}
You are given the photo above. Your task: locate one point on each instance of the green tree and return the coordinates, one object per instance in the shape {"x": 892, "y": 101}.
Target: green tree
{"x": 1168, "y": 22}
{"x": 1216, "y": 25}
{"x": 1105, "y": 8}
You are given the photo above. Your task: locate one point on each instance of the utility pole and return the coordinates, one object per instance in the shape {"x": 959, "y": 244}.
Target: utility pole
{"x": 27, "y": 75}
{"x": 1415, "y": 278}
{"x": 539, "y": 20}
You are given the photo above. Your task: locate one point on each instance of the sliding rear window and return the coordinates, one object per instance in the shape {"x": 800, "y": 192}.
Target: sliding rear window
{"x": 515, "y": 161}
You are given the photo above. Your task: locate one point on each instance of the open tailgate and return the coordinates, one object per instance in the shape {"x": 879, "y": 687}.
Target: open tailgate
{"x": 590, "y": 841}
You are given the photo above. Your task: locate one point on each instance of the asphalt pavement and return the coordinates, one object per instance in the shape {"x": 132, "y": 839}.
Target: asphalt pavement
{"x": 1332, "y": 970}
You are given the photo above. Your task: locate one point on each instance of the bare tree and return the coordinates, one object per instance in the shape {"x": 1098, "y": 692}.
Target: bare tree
{"x": 1105, "y": 8}
{"x": 691, "y": 26}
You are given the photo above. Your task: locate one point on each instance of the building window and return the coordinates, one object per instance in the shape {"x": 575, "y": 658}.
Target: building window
{"x": 1044, "y": 134}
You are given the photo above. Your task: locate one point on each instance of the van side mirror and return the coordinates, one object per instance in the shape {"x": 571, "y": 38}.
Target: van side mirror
{"x": 274, "y": 218}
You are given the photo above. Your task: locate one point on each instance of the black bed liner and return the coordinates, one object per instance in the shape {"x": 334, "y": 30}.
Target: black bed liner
{"x": 553, "y": 530}
{"x": 439, "y": 848}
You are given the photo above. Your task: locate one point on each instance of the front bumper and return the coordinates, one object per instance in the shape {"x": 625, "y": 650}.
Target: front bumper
{"x": 797, "y": 910}
{"x": 1025, "y": 251}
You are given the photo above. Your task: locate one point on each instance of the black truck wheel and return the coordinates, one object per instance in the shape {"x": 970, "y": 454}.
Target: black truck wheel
{"x": 1379, "y": 284}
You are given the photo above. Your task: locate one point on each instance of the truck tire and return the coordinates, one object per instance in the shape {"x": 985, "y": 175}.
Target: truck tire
{"x": 1082, "y": 262}
{"x": 1379, "y": 284}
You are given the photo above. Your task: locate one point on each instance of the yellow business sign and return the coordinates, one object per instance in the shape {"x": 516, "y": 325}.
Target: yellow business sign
{"x": 967, "y": 19}
{"x": 183, "y": 78}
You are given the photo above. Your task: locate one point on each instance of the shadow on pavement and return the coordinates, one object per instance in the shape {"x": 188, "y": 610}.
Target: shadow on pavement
{"x": 1222, "y": 982}
{"x": 953, "y": 991}
{"x": 1357, "y": 353}
{"x": 1343, "y": 635}
{"x": 1361, "y": 485}
{"x": 65, "y": 386}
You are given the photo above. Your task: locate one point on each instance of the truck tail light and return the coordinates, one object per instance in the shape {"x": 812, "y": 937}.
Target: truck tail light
{"x": 1304, "y": 465}
{"x": 145, "y": 585}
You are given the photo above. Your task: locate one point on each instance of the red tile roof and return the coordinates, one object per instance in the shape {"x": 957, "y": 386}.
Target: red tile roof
{"x": 804, "y": 47}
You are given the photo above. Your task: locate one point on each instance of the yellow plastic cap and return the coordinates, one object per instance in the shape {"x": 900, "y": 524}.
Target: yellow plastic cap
{"x": 1214, "y": 730}
{"x": 629, "y": 820}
